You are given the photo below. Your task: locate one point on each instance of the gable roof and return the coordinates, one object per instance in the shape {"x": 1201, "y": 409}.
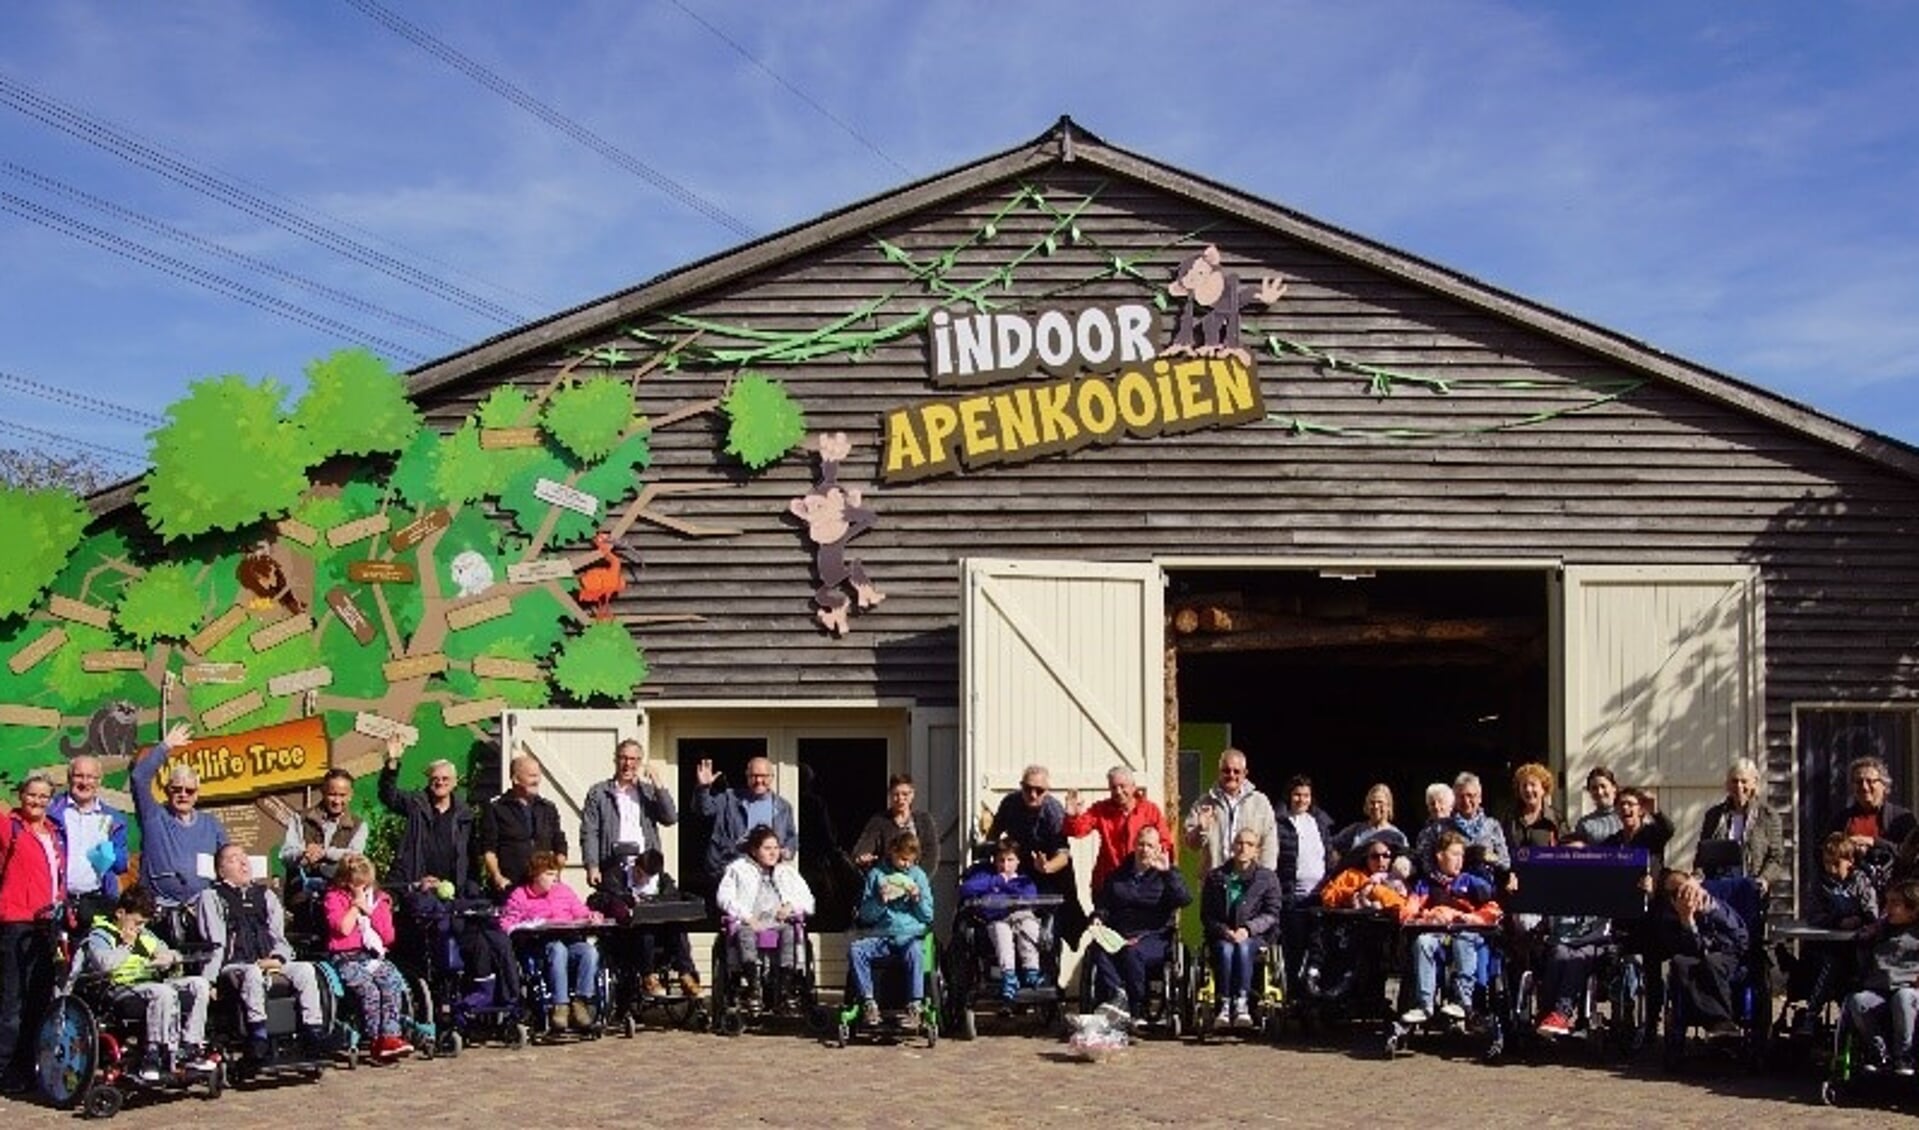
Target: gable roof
{"x": 1067, "y": 142}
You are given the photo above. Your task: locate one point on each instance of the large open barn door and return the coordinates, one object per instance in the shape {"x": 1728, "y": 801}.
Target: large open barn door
{"x": 575, "y": 749}
{"x": 1663, "y": 682}
{"x": 1063, "y": 664}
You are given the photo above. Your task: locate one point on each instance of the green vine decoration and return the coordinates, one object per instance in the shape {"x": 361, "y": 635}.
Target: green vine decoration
{"x": 1605, "y": 393}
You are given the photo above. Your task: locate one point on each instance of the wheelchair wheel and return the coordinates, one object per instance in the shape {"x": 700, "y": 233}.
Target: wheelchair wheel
{"x": 69, "y": 1052}
{"x": 104, "y": 1101}
{"x": 217, "y": 1080}
{"x": 1199, "y": 1001}
{"x": 934, "y": 1007}
{"x": 966, "y": 1025}
{"x": 451, "y": 1045}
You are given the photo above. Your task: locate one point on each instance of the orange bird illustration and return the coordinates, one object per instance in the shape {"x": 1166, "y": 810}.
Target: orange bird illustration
{"x": 602, "y": 579}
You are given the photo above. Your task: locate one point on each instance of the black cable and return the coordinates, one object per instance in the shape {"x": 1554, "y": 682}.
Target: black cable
{"x": 425, "y": 41}
{"x": 70, "y": 399}
{"x": 42, "y": 435}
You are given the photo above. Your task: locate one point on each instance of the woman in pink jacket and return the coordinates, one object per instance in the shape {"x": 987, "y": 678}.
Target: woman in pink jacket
{"x": 359, "y": 919}
{"x": 542, "y": 900}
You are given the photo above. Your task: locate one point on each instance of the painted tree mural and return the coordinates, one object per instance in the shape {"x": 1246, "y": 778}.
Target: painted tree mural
{"x": 334, "y": 560}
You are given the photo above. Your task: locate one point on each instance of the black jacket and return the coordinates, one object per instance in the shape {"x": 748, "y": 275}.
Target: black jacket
{"x": 1135, "y": 902}
{"x": 1287, "y": 866}
{"x": 1896, "y": 822}
{"x": 416, "y": 808}
{"x": 514, "y": 831}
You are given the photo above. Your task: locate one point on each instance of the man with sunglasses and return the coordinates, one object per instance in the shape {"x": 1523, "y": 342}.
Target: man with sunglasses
{"x": 1232, "y": 804}
{"x": 175, "y": 837}
{"x": 1034, "y": 819}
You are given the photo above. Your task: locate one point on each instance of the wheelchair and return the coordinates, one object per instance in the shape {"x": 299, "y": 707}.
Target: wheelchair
{"x": 1612, "y": 1010}
{"x": 1851, "y": 1075}
{"x": 1343, "y": 976}
{"x": 630, "y": 1001}
{"x": 890, "y": 989}
{"x": 461, "y": 1010}
{"x": 752, "y": 994}
{"x": 1165, "y": 1008}
{"x": 972, "y": 975}
{"x": 1751, "y": 982}
{"x": 1487, "y": 1014}
{"x": 1267, "y": 1002}
{"x": 92, "y": 1041}
{"x": 541, "y": 995}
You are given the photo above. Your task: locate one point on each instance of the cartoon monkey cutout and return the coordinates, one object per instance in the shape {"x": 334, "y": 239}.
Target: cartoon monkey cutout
{"x": 834, "y": 516}
{"x": 1203, "y": 285}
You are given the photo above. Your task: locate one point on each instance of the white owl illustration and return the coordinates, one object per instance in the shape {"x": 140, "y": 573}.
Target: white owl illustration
{"x": 472, "y": 572}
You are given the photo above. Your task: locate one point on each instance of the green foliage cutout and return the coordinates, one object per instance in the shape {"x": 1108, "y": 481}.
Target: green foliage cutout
{"x": 588, "y": 418}
{"x": 163, "y": 604}
{"x": 601, "y": 662}
{"x": 226, "y": 458}
{"x": 42, "y": 529}
{"x": 355, "y": 405}
{"x": 763, "y": 421}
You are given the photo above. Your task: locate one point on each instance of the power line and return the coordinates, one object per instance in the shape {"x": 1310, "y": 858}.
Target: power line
{"x": 79, "y": 400}
{"x": 220, "y": 251}
{"x": 425, "y": 41}
{"x": 135, "y": 150}
{"x": 795, "y": 91}
{"x": 41, "y": 435}
{"x": 187, "y": 272}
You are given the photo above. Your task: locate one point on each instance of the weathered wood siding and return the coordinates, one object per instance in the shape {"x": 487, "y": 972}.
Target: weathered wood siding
{"x": 1657, "y": 476}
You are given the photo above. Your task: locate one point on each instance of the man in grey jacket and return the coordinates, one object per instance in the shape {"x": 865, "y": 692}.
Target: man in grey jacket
{"x": 1227, "y": 807}
{"x": 246, "y": 925}
{"x": 625, "y": 809}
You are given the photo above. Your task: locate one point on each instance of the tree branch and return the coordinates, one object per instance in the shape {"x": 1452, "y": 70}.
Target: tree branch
{"x": 108, "y": 565}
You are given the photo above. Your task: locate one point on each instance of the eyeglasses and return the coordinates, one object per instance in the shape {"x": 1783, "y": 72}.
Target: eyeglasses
{"x": 1033, "y": 790}
{"x": 1232, "y": 772}
{"x": 1868, "y": 781}
{"x": 181, "y": 790}
{"x": 759, "y": 776}
{"x": 1379, "y": 855}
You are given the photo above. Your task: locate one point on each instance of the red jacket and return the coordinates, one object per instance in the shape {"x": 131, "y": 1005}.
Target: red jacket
{"x": 27, "y": 890}
{"x": 1117, "y": 829}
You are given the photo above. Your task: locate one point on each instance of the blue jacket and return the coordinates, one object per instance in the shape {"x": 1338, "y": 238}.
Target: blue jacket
{"x": 170, "y": 849}
{"x": 727, "y": 810}
{"x": 116, "y": 835}
{"x": 904, "y": 919}
{"x": 1136, "y": 902}
{"x": 983, "y": 880}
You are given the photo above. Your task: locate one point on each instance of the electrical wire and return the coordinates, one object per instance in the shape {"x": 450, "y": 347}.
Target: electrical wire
{"x": 425, "y": 41}
{"x": 42, "y": 436}
{"x": 70, "y": 399}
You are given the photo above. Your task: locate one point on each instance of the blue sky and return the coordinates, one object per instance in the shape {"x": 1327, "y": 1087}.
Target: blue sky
{"x": 1732, "y": 182}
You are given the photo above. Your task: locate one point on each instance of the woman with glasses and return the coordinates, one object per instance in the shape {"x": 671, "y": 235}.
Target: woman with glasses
{"x": 174, "y": 835}
{"x": 33, "y": 869}
{"x": 1872, "y": 818}
{"x": 1745, "y": 818}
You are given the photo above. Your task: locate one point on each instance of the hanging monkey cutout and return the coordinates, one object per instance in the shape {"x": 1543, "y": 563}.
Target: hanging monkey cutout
{"x": 1203, "y": 285}
{"x": 834, "y": 515}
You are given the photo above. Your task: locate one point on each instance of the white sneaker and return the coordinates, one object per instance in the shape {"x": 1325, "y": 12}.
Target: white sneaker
{"x": 1414, "y": 1016}
{"x": 1452, "y": 1011}
{"x": 1224, "y": 1019}
{"x": 1242, "y": 1015}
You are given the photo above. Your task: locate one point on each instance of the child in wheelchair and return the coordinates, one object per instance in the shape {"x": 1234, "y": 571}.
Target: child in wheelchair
{"x": 1842, "y": 898}
{"x": 572, "y": 964}
{"x": 639, "y": 878}
{"x": 1014, "y": 934}
{"x": 1884, "y": 1013}
{"x": 1569, "y": 951}
{"x": 359, "y": 921}
{"x": 894, "y": 915}
{"x": 135, "y": 964}
{"x": 1443, "y": 908}
{"x": 764, "y": 903}
{"x": 1239, "y": 909}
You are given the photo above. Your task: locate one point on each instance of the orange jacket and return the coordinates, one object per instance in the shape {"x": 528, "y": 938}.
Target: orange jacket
{"x": 1343, "y": 891}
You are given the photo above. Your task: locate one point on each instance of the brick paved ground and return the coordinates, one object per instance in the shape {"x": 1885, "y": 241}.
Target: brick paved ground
{"x": 682, "y": 1078}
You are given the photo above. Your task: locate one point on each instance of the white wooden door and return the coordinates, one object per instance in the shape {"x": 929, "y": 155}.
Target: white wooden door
{"x": 1663, "y": 680}
{"x": 575, "y": 751}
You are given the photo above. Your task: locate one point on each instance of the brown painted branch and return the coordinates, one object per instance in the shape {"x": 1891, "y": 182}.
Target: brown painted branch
{"x": 395, "y": 646}
{"x": 689, "y": 529}
{"x": 567, "y": 602}
{"x": 546, "y": 391}
{"x": 659, "y": 359}
{"x": 651, "y": 491}
{"x": 665, "y": 618}
{"x": 109, "y": 565}
{"x": 685, "y": 412}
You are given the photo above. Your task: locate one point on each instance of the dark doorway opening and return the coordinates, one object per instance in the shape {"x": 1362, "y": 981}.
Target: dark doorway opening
{"x": 842, "y": 782}
{"x": 1398, "y": 676}
{"x": 729, "y": 757}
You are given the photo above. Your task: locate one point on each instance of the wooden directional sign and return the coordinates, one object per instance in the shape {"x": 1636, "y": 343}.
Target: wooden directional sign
{"x": 296, "y": 682}
{"x": 360, "y": 529}
{"x": 41, "y": 716}
{"x": 22, "y": 661}
{"x": 221, "y": 627}
{"x": 273, "y": 635}
{"x": 293, "y": 529}
{"x": 350, "y": 614}
{"x": 205, "y": 674}
{"x": 497, "y": 439}
{"x": 514, "y": 670}
{"x": 418, "y": 530}
{"x": 467, "y": 615}
{"x": 459, "y": 714}
{"x": 565, "y": 497}
{"x": 381, "y": 727}
{"x": 542, "y": 569}
{"x": 381, "y": 573}
{"x": 99, "y": 662}
{"x": 80, "y": 613}
{"x": 414, "y": 667}
{"x": 215, "y": 717}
